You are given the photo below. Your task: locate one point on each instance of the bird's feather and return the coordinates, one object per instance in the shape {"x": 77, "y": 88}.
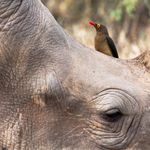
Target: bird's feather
{"x": 112, "y": 46}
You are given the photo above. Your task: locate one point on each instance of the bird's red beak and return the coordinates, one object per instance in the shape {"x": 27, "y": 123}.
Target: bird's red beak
{"x": 92, "y": 23}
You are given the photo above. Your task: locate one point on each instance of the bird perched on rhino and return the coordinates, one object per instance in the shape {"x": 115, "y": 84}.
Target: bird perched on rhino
{"x": 103, "y": 42}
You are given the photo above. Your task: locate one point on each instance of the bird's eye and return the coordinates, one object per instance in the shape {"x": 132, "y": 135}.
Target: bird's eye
{"x": 112, "y": 115}
{"x": 98, "y": 25}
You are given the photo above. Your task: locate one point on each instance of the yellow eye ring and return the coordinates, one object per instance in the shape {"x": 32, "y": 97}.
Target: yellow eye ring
{"x": 98, "y": 25}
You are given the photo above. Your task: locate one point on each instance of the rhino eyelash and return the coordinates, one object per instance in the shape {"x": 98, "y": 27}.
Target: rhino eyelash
{"x": 112, "y": 115}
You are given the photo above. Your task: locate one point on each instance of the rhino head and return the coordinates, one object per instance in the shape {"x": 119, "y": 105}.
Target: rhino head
{"x": 56, "y": 93}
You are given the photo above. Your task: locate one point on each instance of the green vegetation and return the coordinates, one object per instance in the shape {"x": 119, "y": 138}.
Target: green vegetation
{"x": 127, "y": 5}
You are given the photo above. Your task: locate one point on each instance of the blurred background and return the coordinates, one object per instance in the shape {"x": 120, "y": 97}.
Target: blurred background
{"x": 128, "y": 22}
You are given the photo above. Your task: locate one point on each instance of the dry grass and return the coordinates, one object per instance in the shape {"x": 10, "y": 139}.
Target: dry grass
{"x": 126, "y": 49}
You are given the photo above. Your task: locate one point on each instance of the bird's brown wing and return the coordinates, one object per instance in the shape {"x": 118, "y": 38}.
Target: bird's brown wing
{"x": 112, "y": 46}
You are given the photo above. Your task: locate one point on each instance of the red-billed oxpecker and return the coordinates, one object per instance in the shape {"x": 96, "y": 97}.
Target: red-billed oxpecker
{"x": 103, "y": 42}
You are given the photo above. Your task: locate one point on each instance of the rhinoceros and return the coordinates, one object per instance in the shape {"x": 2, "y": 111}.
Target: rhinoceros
{"x": 56, "y": 93}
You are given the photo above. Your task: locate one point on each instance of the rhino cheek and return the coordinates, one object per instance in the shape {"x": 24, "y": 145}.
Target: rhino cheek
{"x": 144, "y": 131}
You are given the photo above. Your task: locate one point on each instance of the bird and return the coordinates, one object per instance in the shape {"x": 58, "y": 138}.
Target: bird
{"x": 103, "y": 42}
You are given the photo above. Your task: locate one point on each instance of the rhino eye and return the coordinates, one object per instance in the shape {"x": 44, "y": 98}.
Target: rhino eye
{"x": 112, "y": 115}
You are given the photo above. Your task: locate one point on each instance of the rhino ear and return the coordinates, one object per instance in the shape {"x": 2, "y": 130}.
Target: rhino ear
{"x": 144, "y": 60}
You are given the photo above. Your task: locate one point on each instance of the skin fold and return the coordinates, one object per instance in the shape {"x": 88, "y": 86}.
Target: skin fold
{"x": 56, "y": 93}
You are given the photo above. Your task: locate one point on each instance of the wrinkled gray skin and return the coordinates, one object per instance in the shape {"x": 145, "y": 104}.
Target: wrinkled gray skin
{"x": 55, "y": 93}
